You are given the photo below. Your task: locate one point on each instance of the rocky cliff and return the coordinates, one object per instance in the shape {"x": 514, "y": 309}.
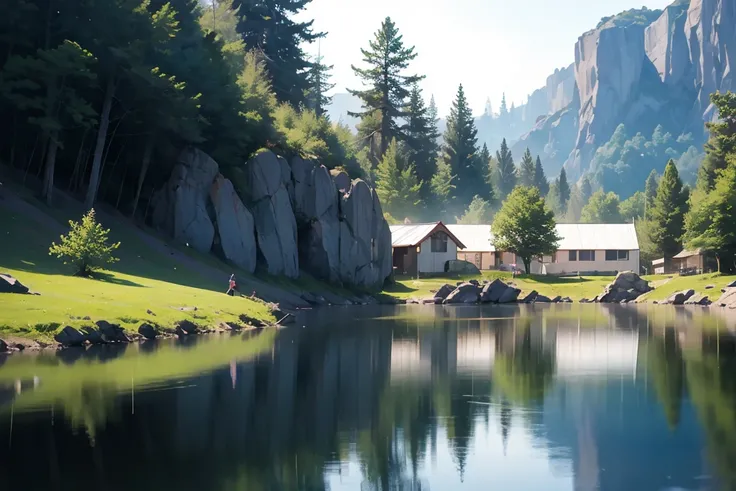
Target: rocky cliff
{"x": 288, "y": 217}
{"x": 641, "y": 70}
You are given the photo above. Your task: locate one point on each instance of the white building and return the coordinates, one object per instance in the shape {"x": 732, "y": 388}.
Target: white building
{"x": 423, "y": 248}
{"x": 584, "y": 248}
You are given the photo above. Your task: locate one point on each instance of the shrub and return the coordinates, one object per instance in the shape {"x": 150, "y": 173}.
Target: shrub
{"x": 85, "y": 247}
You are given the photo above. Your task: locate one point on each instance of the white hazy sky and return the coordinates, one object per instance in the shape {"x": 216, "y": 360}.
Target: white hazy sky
{"x": 490, "y": 46}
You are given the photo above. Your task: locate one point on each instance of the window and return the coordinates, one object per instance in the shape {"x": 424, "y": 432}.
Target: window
{"x": 439, "y": 242}
{"x": 572, "y": 255}
{"x": 586, "y": 255}
{"x": 617, "y": 255}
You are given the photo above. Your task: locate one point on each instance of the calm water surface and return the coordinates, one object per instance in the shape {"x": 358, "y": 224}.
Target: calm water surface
{"x": 394, "y": 398}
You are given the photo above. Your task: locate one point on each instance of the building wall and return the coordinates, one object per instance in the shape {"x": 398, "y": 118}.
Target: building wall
{"x": 434, "y": 262}
{"x": 482, "y": 260}
{"x": 563, "y": 265}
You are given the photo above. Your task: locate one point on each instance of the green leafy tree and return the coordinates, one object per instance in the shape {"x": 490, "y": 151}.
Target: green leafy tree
{"x": 388, "y": 87}
{"x": 527, "y": 170}
{"x": 602, "y": 208}
{"x": 722, "y": 141}
{"x": 553, "y": 201}
{"x": 396, "y": 183}
{"x": 506, "y": 170}
{"x": 86, "y": 246}
{"x": 633, "y": 207}
{"x": 575, "y": 206}
{"x": 223, "y": 18}
{"x": 668, "y": 213}
{"x": 478, "y": 213}
{"x": 586, "y": 189}
{"x": 540, "y": 179}
{"x": 460, "y": 151}
{"x": 710, "y": 223}
{"x": 525, "y": 226}
{"x": 318, "y": 85}
{"x": 43, "y": 85}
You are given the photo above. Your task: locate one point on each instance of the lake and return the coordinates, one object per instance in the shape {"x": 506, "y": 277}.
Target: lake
{"x": 555, "y": 397}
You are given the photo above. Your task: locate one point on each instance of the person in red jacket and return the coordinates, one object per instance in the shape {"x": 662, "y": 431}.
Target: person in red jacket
{"x": 232, "y": 286}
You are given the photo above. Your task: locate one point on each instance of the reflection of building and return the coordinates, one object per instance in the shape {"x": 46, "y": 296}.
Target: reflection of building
{"x": 599, "y": 353}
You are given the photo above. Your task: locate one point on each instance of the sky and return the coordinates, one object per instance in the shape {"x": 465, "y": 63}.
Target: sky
{"x": 492, "y": 47}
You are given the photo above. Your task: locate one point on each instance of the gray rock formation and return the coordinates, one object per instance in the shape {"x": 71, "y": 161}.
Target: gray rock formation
{"x": 148, "y": 331}
{"x": 112, "y": 333}
{"x": 8, "y": 284}
{"x": 93, "y": 335}
{"x": 698, "y": 300}
{"x": 679, "y": 298}
{"x": 273, "y": 215}
{"x": 627, "y": 286}
{"x": 444, "y": 291}
{"x": 493, "y": 291}
{"x": 465, "y": 293}
{"x": 69, "y": 336}
{"x": 728, "y": 299}
{"x": 180, "y": 208}
{"x": 510, "y": 295}
{"x": 666, "y": 44}
{"x": 235, "y": 227}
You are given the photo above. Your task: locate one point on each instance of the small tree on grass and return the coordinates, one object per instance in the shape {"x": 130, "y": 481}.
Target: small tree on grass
{"x": 525, "y": 226}
{"x": 85, "y": 247}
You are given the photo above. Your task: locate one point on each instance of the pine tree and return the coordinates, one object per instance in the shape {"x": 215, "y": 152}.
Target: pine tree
{"x": 396, "y": 183}
{"x": 443, "y": 185}
{"x": 387, "y": 85}
{"x": 270, "y": 26}
{"x": 540, "y": 179}
{"x": 421, "y": 139}
{"x": 527, "y": 170}
{"x": 563, "y": 188}
{"x": 574, "y": 206}
{"x": 318, "y": 82}
{"x": 223, "y": 19}
{"x": 485, "y": 156}
{"x": 460, "y": 150}
{"x": 668, "y": 212}
{"x": 506, "y": 170}
{"x": 722, "y": 141}
{"x": 650, "y": 191}
{"x": 586, "y": 189}
{"x": 504, "y": 112}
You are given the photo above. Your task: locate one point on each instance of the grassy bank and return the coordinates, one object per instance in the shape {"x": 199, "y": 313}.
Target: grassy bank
{"x": 551, "y": 286}
{"x": 144, "y": 286}
{"x": 574, "y": 287}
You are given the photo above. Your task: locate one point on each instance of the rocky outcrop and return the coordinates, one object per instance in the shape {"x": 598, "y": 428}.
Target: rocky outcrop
{"x": 666, "y": 45}
{"x": 627, "y": 286}
{"x": 181, "y": 207}
{"x": 69, "y": 336}
{"x": 711, "y": 36}
{"x": 8, "y": 284}
{"x": 148, "y": 331}
{"x": 679, "y": 298}
{"x": 292, "y": 215}
{"x": 270, "y": 203}
{"x": 112, "y": 333}
{"x": 235, "y": 228}
{"x": 728, "y": 299}
{"x": 464, "y": 293}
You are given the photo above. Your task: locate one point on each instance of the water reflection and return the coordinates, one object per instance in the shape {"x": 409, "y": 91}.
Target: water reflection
{"x": 544, "y": 397}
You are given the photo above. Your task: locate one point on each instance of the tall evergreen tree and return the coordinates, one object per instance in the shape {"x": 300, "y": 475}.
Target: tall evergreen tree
{"x": 223, "y": 19}
{"x": 387, "y": 85}
{"x": 270, "y": 26}
{"x": 527, "y": 170}
{"x": 421, "y": 139}
{"x": 318, "y": 82}
{"x": 668, "y": 212}
{"x": 443, "y": 188}
{"x": 396, "y": 183}
{"x": 540, "y": 179}
{"x": 586, "y": 189}
{"x": 485, "y": 155}
{"x": 506, "y": 170}
{"x": 563, "y": 188}
{"x": 460, "y": 151}
{"x": 722, "y": 141}
{"x": 650, "y": 191}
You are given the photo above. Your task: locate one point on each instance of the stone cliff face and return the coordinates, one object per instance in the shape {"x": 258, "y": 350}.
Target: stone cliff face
{"x": 294, "y": 216}
{"x": 641, "y": 75}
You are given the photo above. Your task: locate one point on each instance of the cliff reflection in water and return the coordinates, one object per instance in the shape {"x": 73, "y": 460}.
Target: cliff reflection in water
{"x": 557, "y": 397}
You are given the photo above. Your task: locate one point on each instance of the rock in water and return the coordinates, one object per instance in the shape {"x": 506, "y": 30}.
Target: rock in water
{"x": 465, "y": 293}
{"x": 234, "y": 225}
{"x": 444, "y": 291}
{"x": 180, "y": 208}
{"x": 187, "y": 328}
{"x": 728, "y": 299}
{"x": 492, "y": 292}
{"x": 273, "y": 215}
{"x": 3, "y": 346}
{"x": 93, "y": 335}
{"x": 112, "y": 333}
{"x": 542, "y": 299}
{"x": 680, "y": 298}
{"x": 627, "y": 286}
{"x": 510, "y": 295}
{"x": 69, "y": 337}
{"x": 698, "y": 300}
{"x": 147, "y": 331}
{"x": 531, "y": 297}
{"x": 8, "y": 284}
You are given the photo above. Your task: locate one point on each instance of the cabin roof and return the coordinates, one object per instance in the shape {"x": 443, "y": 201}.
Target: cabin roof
{"x": 412, "y": 235}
